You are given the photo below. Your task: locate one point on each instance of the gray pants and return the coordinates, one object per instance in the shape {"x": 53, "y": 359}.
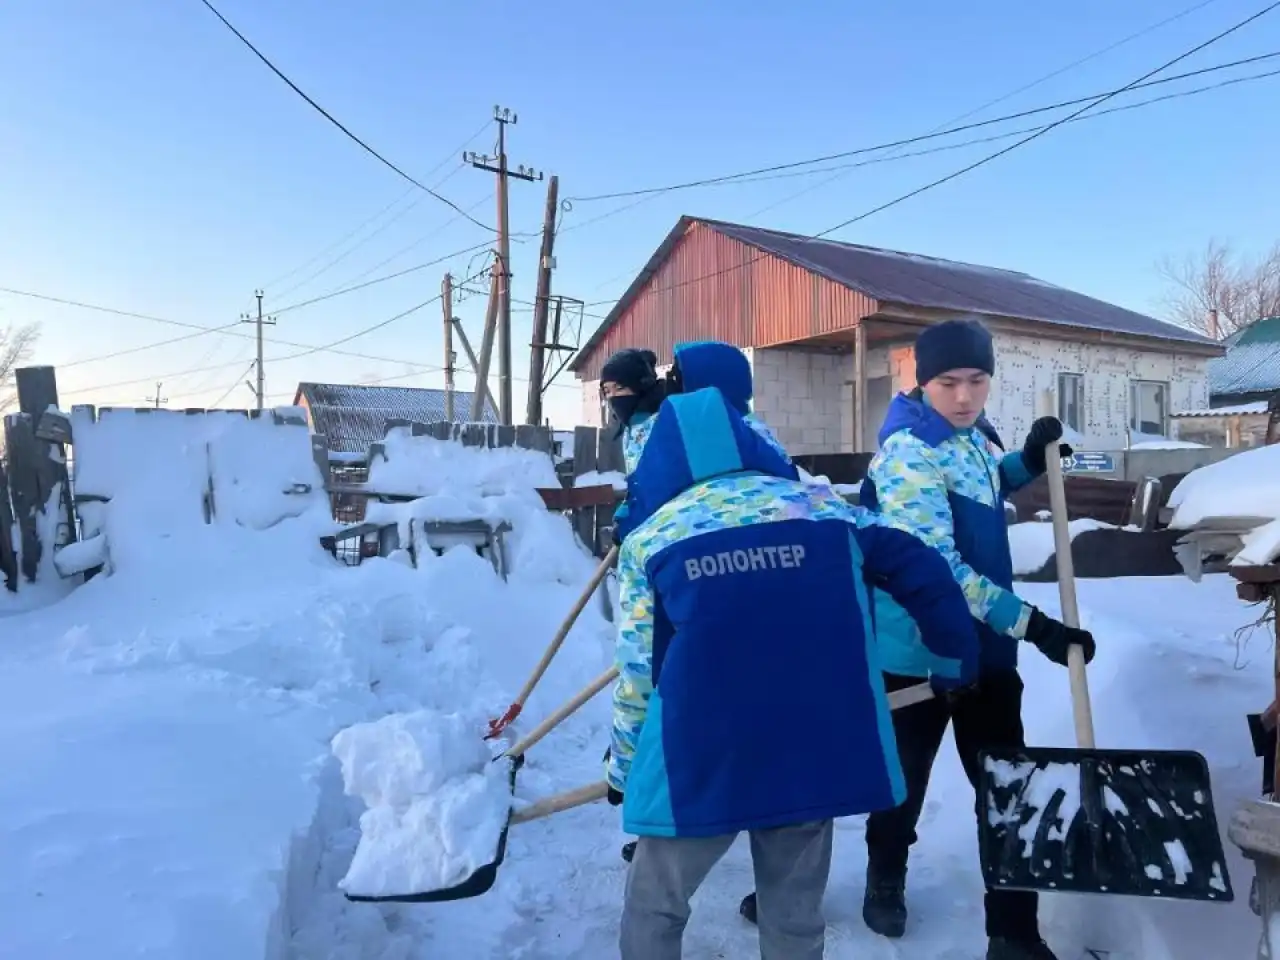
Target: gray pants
{"x": 791, "y": 867}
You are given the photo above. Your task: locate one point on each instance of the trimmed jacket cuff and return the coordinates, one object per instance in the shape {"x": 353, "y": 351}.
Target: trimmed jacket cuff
{"x": 1007, "y": 614}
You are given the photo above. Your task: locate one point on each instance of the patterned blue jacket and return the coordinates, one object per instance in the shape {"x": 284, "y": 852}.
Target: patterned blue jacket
{"x": 745, "y": 641}
{"x": 948, "y": 486}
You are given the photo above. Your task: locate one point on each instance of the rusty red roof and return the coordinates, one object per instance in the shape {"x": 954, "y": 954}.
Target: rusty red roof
{"x": 894, "y": 277}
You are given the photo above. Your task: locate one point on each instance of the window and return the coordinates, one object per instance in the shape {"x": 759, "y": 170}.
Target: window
{"x": 1148, "y": 407}
{"x": 1071, "y": 401}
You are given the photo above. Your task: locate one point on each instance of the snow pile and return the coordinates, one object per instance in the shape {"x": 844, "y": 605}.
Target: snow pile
{"x": 1169, "y": 445}
{"x": 422, "y": 466}
{"x": 1244, "y": 485}
{"x": 165, "y": 487}
{"x": 1032, "y": 543}
{"x": 594, "y": 478}
{"x": 166, "y": 730}
{"x": 437, "y": 803}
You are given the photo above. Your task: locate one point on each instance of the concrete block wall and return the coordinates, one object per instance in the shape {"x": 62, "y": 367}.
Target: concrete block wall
{"x": 798, "y": 393}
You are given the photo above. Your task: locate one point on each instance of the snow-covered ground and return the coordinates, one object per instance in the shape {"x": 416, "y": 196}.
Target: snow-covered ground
{"x": 169, "y": 789}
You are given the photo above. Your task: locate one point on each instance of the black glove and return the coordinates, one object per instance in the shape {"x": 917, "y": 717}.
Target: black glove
{"x": 953, "y": 694}
{"x": 1043, "y": 432}
{"x": 1053, "y": 638}
{"x": 615, "y": 797}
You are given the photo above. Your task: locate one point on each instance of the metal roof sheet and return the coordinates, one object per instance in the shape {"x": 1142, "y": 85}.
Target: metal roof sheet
{"x": 931, "y": 282}
{"x": 1252, "y": 361}
{"x": 352, "y": 416}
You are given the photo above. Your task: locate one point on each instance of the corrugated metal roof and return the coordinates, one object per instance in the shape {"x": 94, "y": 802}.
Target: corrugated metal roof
{"x": 892, "y": 277}
{"x": 919, "y": 281}
{"x": 1233, "y": 410}
{"x": 1252, "y": 361}
{"x": 352, "y": 416}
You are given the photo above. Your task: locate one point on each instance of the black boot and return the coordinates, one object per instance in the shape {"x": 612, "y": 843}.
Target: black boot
{"x": 884, "y": 905}
{"x": 629, "y": 851}
{"x": 748, "y": 908}
{"x": 1002, "y": 948}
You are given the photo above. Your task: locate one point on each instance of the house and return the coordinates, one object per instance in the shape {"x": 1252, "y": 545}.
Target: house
{"x": 1240, "y": 385}
{"x": 828, "y": 327}
{"x": 352, "y": 416}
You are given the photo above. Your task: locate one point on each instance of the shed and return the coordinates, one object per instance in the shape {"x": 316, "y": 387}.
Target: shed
{"x": 350, "y": 416}
{"x": 828, "y": 327}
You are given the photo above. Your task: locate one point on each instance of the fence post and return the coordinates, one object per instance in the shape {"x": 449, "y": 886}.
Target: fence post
{"x": 8, "y": 559}
{"x": 585, "y": 440}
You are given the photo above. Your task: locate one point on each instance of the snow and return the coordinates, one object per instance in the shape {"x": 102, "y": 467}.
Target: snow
{"x": 1169, "y": 445}
{"x": 423, "y": 466}
{"x": 1032, "y": 543}
{"x": 167, "y": 733}
{"x": 1232, "y": 410}
{"x": 1244, "y": 485}
{"x": 594, "y": 478}
{"x": 437, "y": 802}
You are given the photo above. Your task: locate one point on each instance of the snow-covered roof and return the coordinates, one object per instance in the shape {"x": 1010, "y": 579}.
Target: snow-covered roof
{"x": 1252, "y": 361}
{"x": 1232, "y": 410}
{"x": 350, "y": 416}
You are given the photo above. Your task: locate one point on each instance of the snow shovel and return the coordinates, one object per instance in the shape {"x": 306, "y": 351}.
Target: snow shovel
{"x": 517, "y": 706}
{"x": 483, "y": 877}
{"x": 1126, "y": 822}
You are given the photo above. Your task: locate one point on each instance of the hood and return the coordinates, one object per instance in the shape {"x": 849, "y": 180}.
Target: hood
{"x": 695, "y": 437}
{"x": 711, "y": 363}
{"x": 911, "y": 411}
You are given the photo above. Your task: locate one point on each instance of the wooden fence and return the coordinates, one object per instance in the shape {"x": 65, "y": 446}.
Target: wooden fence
{"x": 35, "y": 495}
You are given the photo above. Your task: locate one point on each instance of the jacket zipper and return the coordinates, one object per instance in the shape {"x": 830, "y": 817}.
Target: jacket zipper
{"x": 991, "y": 483}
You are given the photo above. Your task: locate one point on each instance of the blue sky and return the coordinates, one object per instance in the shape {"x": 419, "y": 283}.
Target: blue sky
{"x": 149, "y": 163}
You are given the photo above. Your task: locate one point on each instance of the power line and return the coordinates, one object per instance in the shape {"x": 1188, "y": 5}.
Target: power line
{"x": 1039, "y": 132}
{"x": 226, "y": 329}
{"x": 364, "y": 223}
{"x": 909, "y": 141}
{"x": 333, "y": 120}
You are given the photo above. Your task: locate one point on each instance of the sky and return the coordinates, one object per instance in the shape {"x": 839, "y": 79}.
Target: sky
{"x": 151, "y": 164}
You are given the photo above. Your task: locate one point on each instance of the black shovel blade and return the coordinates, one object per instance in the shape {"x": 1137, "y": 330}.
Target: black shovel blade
{"x": 478, "y": 883}
{"x": 1136, "y": 823}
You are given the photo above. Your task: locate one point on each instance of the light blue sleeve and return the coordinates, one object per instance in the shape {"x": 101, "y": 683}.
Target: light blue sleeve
{"x": 634, "y": 657}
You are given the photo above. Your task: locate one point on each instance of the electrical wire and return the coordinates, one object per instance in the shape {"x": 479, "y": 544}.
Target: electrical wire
{"x": 146, "y": 346}
{"x": 351, "y": 233}
{"x": 1039, "y": 132}
{"x": 333, "y": 120}
{"x": 910, "y": 141}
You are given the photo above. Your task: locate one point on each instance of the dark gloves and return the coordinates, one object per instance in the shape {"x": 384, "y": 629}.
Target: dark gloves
{"x": 1043, "y": 432}
{"x": 614, "y": 796}
{"x": 950, "y": 692}
{"x": 1053, "y": 638}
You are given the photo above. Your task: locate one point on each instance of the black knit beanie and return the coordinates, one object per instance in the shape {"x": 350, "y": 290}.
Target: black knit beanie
{"x": 954, "y": 345}
{"x": 632, "y": 368}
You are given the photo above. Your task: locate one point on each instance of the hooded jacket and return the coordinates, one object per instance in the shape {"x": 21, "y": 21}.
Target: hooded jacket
{"x": 948, "y": 487}
{"x": 704, "y": 363}
{"x": 745, "y": 641}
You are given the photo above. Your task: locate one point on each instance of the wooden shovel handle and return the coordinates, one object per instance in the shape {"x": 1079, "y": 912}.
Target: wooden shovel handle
{"x": 553, "y": 721}
{"x": 561, "y": 802}
{"x": 553, "y": 648}
{"x": 1081, "y": 707}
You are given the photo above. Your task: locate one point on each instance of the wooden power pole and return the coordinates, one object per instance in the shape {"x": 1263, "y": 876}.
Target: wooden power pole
{"x": 446, "y": 301}
{"x": 502, "y": 269}
{"x": 542, "y": 305}
{"x": 486, "y": 351}
{"x": 259, "y": 321}
{"x": 157, "y": 399}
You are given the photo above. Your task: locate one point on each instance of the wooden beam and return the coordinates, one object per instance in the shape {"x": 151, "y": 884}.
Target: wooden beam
{"x": 860, "y": 389}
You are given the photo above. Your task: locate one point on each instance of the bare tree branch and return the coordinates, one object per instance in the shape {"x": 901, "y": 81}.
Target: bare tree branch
{"x": 16, "y": 345}
{"x": 1239, "y": 289}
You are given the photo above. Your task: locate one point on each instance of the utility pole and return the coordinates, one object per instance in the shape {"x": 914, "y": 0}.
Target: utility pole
{"x": 482, "y": 387}
{"x": 157, "y": 399}
{"x": 258, "y": 321}
{"x": 542, "y": 305}
{"x": 499, "y": 166}
{"x": 486, "y": 352}
{"x": 446, "y": 300}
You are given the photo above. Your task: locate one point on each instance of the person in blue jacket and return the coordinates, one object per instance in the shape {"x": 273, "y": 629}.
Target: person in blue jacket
{"x": 744, "y": 648}
{"x": 941, "y": 473}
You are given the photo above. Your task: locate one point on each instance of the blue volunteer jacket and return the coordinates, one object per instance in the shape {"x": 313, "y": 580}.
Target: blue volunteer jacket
{"x": 948, "y": 487}
{"x": 745, "y": 649}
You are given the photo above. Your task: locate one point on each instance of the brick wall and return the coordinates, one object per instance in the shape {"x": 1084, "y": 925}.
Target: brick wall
{"x": 798, "y": 394}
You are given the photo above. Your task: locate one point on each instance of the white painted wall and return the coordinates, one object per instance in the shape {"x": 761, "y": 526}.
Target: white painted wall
{"x": 806, "y": 396}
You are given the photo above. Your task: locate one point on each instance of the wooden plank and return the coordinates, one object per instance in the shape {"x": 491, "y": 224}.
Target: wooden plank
{"x": 474, "y": 435}
{"x": 37, "y": 390}
{"x": 504, "y": 436}
{"x": 578, "y": 498}
{"x": 24, "y": 487}
{"x": 1255, "y": 829}
{"x": 531, "y": 437}
{"x": 54, "y": 427}
{"x": 8, "y": 557}
{"x": 442, "y": 430}
{"x": 585, "y": 440}
{"x": 609, "y": 453}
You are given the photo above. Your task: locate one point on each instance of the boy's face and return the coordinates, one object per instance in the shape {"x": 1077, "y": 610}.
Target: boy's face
{"x": 959, "y": 395}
